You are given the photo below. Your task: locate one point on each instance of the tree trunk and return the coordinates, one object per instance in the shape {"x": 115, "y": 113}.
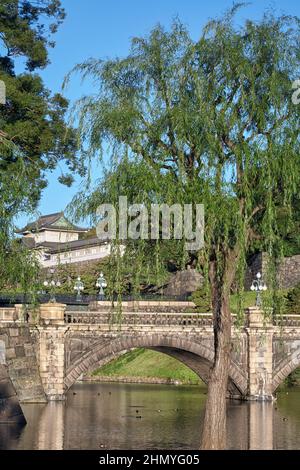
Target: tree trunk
{"x": 214, "y": 428}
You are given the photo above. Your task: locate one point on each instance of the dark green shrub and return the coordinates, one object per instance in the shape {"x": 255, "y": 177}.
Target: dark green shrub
{"x": 293, "y": 301}
{"x": 202, "y": 299}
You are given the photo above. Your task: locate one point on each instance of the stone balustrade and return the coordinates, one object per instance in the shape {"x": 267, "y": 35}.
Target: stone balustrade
{"x": 137, "y": 313}
{"x": 144, "y": 306}
{"x": 287, "y": 321}
{"x": 8, "y": 314}
{"x": 139, "y": 319}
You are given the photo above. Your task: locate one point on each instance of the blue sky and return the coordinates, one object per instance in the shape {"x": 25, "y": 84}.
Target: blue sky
{"x": 102, "y": 29}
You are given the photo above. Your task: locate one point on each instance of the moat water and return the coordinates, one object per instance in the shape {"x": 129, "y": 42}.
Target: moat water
{"x": 129, "y": 416}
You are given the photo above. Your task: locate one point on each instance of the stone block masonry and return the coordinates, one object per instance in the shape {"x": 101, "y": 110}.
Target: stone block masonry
{"x": 260, "y": 353}
{"x": 51, "y": 350}
{"x": 10, "y": 410}
{"x": 288, "y": 272}
{"x": 52, "y": 361}
{"x": 18, "y": 351}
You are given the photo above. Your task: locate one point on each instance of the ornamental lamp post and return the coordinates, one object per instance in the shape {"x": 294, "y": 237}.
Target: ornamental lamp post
{"x": 79, "y": 287}
{"x": 52, "y": 285}
{"x": 101, "y": 283}
{"x": 258, "y": 286}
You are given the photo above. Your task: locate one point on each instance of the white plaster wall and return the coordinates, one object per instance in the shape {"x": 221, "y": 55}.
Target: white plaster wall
{"x": 38, "y": 237}
{"x": 53, "y": 236}
{"x": 60, "y": 237}
{"x": 78, "y": 256}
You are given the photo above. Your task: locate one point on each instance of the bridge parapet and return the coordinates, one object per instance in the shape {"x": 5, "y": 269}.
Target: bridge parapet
{"x": 141, "y": 318}
{"x": 287, "y": 321}
{"x": 136, "y": 312}
{"x": 52, "y": 314}
{"x": 143, "y": 306}
{"x": 8, "y": 314}
{"x": 19, "y": 313}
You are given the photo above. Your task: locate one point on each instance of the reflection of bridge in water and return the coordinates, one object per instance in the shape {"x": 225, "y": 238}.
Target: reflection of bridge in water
{"x": 250, "y": 426}
{"x": 89, "y": 421}
{"x": 72, "y": 342}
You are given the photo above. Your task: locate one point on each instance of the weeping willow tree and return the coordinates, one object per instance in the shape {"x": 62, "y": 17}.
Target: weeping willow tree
{"x": 146, "y": 264}
{"x": 216, "y": 116}
{"x": 18, "y": 266}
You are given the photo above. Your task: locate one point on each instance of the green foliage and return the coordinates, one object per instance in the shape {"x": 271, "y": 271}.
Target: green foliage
{"x": 290, "y": 231}
{"x": 293, "y": 301}
{"x": 208, "y": 121}
{"x": 43, "y": 144}
{"x": 150, "y": 261}
{"x": 32, "y": 120}
{"x": 133, "y": 276}
{"x": 18, "y": 268}
{"x": 33, "y": 135}
{"x": 26, "y": 28}
{"x": 202, "y": 300}
{"x": 68, "y": 274}
{"x": 19, "y": 271}
{"x": 246, "y": 300}
{"x": 145, "y": 363}
{"x": 293, "y": 379}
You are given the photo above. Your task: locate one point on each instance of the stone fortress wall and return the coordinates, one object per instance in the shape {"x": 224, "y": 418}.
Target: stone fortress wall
{"x": 288, "y": 270}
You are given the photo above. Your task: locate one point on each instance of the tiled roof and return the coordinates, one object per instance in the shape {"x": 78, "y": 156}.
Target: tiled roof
{"x": 70, "y": 246}
{"x": 47, "y": 221}
{"x": 28, "y": 242}
{"x": 53, "y": 247}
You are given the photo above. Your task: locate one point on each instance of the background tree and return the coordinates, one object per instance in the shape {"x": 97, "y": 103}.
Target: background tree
{"x": 34, "y": 137}
{"x": 31, "y": 118}
{"x": 217, "y": 115}
{"x": 290, "y": 232}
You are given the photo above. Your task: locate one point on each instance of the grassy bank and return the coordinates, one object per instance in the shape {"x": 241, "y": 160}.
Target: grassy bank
{"x": 293, "y": 380}
{"x": 145, "y": 363}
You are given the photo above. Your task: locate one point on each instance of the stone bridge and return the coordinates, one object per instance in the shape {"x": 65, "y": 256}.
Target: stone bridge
{"x": 45, "y": 356}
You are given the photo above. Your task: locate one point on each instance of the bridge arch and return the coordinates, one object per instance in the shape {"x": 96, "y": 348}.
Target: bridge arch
{"x": 196, "y": 356}
{"x": 285, "y": 368}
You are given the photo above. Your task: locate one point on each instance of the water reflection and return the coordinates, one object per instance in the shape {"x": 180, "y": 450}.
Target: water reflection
{"x": 128, "y": 416}
{"x": 260, "y": 425}
{"x": 51, "y": 427}
{"x": 133, "y": 416}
